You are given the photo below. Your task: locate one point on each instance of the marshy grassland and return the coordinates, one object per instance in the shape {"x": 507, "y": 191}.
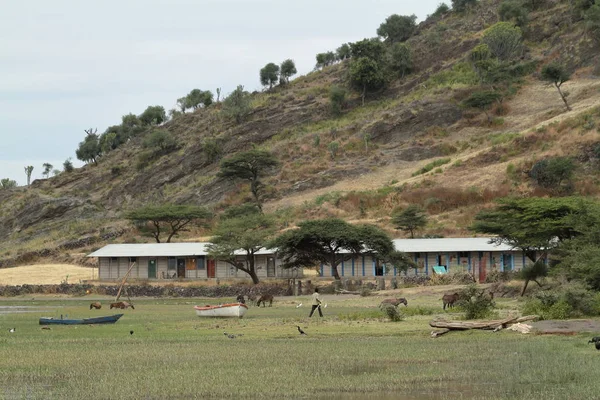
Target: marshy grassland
{"x": 354, "y": 352}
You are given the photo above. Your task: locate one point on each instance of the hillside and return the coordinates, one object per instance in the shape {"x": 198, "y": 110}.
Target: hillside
{"x": 412, "y": 122}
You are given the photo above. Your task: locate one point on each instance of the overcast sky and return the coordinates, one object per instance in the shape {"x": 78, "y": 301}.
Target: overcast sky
{"x": 66, "y": 66}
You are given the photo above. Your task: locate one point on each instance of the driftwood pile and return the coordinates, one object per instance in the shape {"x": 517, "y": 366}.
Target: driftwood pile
{"x": 494, "y": 325}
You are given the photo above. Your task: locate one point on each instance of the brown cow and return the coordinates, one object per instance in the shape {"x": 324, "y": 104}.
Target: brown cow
{"x": 449, "y": 300}
{"x": 96, "y": 305}
{"x": 395, "y": 302}
{"x": 264, "y": 298}
{"x": 122, "y": 305}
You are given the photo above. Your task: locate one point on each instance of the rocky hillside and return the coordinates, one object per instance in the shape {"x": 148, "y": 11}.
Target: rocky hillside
{"x": 412, "y": 142}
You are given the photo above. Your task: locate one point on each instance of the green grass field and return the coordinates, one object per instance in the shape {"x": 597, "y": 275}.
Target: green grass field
{"x": 352, "y": 353}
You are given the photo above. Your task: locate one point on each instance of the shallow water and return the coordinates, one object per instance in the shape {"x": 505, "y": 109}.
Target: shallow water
{"x": 25, "y": 309}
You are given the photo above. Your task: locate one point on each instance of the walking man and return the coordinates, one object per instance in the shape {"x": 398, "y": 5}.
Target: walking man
{"x": 316, "y": 303}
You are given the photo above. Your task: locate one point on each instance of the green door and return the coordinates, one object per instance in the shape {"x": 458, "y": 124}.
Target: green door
{"x": 151, "y": 269}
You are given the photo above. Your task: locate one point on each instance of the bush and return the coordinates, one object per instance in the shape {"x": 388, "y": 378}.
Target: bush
{"x": 68, "y": 165}
{"x": 441, "y": 9}
{"x": 431, "y": 166}
{"x": 337, "y": 98}
{"x": 160, "y": 141}
{"x": 475, "y": 303}
{"x": 500, "y": 276}
{"x": 462, "y": 5}
{"x": 571, "y": 302}
{"x": 553, "y": 173}
{"x": 391, "y": 312}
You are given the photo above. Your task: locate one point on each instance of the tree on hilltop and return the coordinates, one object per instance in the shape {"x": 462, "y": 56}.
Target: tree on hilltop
{"x": 397, "y": 28}
{"x": 287, "y": 70}
{"x": 269, "y": 75}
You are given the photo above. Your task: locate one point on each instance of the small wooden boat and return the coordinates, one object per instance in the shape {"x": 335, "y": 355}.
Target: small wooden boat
{"x": 223, "y": 310}
{"x": 111, "y": 319}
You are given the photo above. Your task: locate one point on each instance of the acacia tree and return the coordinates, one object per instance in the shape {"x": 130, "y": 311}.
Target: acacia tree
{"x": 331, "y": 241}
{"x": 247, "y": 233}
{"x": 170, "y": 217}
{"x": 397, "y": 28}
{"x": 533, "y": 225}
{"x": 557, "y": 75}
{"x": 287, "y": 70}
{"x": 250, "y": 166}
{"x": 269, "y": 75}
{"x": 410, "y": 219}
{"x": 28, "y": 171}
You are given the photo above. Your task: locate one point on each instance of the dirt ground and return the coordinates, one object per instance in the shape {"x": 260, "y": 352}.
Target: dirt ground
{"x": 46, "y": 274}
{"x": 567, "y": 327}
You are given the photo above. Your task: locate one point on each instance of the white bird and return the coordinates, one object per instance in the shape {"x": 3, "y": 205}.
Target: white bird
{"x": 299, "y": 305}
{"x": 12, "y": 330}
{"x": 325, "y": 306}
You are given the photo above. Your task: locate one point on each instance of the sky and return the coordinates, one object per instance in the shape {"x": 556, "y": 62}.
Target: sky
{"x": 66, "y": 66}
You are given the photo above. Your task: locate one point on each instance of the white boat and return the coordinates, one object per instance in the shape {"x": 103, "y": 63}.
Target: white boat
{"x": 223, "y": 310}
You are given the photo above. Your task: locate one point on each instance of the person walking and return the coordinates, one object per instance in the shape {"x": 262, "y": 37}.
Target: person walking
{"x": 316, "y": 303}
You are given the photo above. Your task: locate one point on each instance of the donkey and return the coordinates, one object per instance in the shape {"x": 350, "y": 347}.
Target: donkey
{"x": 450, "y": 299}
{"x": 395, "y": 302}
{"x": 264, "y": 298}
{"x": 122, "y": 305}
{"x": 96, "y": 305}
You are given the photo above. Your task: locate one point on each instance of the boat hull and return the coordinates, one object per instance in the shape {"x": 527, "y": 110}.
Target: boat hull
{"x": 110, "y": 319}
{"x": 233, "y": 310}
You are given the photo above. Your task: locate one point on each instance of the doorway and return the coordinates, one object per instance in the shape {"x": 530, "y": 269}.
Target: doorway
{"x": 152, "y": 269}
{"x": 181, "y": 267}
{"x": 270, "y": 267}
{"x": 210, "y": 268}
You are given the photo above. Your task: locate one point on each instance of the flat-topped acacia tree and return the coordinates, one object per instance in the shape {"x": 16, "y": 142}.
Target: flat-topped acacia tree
{"x": 167, "y": 217}
{"x": 241, "y": 236}
{"x": 331, "y": 241}
{"x": 250, "y": 165}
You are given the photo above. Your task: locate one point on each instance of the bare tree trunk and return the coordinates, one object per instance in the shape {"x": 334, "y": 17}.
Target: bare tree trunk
{"x": 562, "y": 96}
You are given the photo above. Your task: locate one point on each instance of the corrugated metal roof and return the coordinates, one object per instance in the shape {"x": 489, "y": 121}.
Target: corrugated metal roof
{"x": 159, "y": 250}
{"x": 199, "y": 249}
{"x": 151, "y": 250}
{"x": 448, "y": 245}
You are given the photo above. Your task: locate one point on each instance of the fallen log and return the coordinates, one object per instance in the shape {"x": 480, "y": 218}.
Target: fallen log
{"x": 439, "y": 333}
{"x": 467, "y": 325}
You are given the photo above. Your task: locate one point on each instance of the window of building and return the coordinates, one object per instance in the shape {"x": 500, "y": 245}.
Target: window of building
{"x": 172, "y": 263}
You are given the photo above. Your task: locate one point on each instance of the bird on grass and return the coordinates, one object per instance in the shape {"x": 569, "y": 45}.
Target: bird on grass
{"x": 131, "y": 332}
{"x": 299, "y": 305}
{"x": 595, "y": 339}
{"x": 46, "y": 328}
{"x": 225, "y": 333}
{"x": 231, "y": 336}
{"x": 301, "y": 331}
{"x": 12, "y": 330}
{"x": 325, "y": 306}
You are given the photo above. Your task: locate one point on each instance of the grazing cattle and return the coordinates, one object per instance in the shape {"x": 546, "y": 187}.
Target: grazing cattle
{"x": 122, "y": 305}
{"x": 264, "y": 298}
{"x": 240, "y": 299}
{"x": 96, "y": 305}
{"x": 449, "y": 300}
{"x": 252, "y": 299}
{"x": 395, "y": 302}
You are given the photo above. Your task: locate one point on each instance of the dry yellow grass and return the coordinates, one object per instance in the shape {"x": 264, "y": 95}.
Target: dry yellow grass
{"x": 46, "y": 274}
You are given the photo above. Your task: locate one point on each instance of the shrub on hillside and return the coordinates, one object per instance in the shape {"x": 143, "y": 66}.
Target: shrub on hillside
{"x": 554, "y": 173}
